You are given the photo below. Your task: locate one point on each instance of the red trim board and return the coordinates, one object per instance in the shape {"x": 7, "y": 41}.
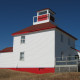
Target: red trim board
{"x": 34, "y": 70}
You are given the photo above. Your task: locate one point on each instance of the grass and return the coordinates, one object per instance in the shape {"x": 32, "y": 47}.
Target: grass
{"x": 6, "y": 74}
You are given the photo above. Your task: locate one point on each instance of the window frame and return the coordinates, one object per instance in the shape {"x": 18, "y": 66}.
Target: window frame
{"x": 21, "y": 56}
{"x": 22, "y": 40}
{"x": 42, "y": 12}
{"x": 62, "y": 38}
{"x": 69, "y": 41}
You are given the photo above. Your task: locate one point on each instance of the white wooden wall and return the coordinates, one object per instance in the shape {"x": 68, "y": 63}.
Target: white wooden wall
{"x": 63, "y": 46}
{"x": 7, "y": 60}
{"x": 39, "y": 49}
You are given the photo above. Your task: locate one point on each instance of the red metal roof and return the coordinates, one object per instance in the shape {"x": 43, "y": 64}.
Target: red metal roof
{"x": 40, "y": 27}
{"x": 8, "y": 49}
{"x": 34, "y": 28}
{"x": 76, "y": 49}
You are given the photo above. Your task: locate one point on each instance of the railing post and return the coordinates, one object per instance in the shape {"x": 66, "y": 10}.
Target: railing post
{"x": 59, "y": 69}
{"x": 66, "y": 60}
{"x": 49, "y": 16}
{"x": 77, "y": 65}
{"x": 69, "y": 68}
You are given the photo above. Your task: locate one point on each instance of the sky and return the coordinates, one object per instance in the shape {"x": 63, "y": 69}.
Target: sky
{"x": 18, "y": 14}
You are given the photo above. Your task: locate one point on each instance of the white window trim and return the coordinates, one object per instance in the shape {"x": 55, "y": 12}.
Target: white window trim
{"x": 42, "y": 14}
{"x": 22, "y": 40}
{"x": 21, "y": 57}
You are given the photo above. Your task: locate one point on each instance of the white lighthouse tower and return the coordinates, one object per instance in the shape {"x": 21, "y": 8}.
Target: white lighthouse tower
{"x": 43, "y": 16}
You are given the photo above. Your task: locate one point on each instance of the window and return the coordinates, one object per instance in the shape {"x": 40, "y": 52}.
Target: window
{"x": 43, "y": 12}
{"x": 61, "y": 38}
{"x": 22, "y": 39}
{"x": 21, "y": 56}
{"x": 68, "y": 41}
{"x": 62, "y": 55}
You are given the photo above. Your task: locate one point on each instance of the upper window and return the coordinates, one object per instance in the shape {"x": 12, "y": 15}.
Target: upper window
{"x": 61, "y": 38}
{"x": 43, "y": 12}
{"x": 68, "y": 41}
{"x": 21, "y": 56}
{"x": 22, "y": 39}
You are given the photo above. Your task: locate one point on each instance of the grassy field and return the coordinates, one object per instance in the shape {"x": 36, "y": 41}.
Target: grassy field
{"x": 6, "y": 74}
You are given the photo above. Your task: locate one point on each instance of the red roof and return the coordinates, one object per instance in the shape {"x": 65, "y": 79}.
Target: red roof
{"x": 8, "y": 49}
{"x": 40, "y": 27}
{"x": 34, "y": 28}
{"x": 76, "y": 49}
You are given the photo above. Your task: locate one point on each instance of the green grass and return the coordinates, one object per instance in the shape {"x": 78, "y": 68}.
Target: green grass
{"x": 6, "y": 74}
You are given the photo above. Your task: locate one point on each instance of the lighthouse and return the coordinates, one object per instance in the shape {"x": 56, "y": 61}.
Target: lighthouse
{"x": 37, "y": 47}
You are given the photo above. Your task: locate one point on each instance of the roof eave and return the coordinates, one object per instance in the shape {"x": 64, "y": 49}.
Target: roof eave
{"x": 14, "y": 34}
{"x": 67, "y": 33}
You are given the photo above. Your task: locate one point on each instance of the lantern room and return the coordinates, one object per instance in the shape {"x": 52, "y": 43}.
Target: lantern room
{"x": 43, "y": 16}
